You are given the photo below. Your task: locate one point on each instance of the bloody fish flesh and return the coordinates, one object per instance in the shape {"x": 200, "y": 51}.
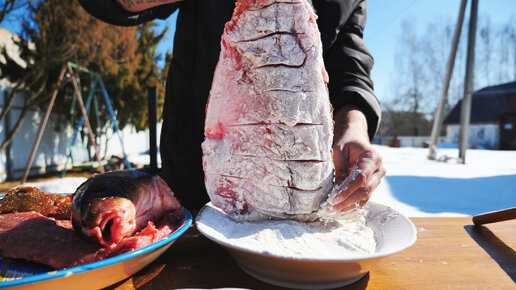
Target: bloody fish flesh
{"x": 112, "y": 206}
{"x": 34, "y": 237}
{"x": 269, "y": 129}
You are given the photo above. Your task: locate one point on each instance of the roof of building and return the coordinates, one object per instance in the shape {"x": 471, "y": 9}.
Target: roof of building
{"x": 487, "y": 104}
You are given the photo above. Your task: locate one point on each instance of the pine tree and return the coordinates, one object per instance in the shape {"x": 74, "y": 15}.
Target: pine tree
{"x": 59, "y": 31}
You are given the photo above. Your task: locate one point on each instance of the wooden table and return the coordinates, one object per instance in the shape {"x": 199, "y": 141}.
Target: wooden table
{"x": 449, "y": 254}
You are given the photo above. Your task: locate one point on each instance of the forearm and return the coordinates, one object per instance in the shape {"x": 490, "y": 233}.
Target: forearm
{"x": 140, "y": 5}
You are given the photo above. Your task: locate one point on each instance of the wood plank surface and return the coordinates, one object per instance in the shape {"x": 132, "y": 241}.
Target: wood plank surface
{"x": 450, "y": 253}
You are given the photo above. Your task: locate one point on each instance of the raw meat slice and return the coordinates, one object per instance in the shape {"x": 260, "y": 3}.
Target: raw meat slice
{"x": 296, "y": 174}
{"x": 269, "y": 129}
{"x": 233, "y": 194}
{"x": 275, "y": 141}
{"x": 34, "y": 237}
{"x": 288, "y": 106}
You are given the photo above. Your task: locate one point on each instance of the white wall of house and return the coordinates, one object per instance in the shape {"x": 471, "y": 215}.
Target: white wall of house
{"x": 480, "y": 135}
{"x": 52, "y": 152}
{"x": 408, "y": 141}
{"x": 52, "y": 149}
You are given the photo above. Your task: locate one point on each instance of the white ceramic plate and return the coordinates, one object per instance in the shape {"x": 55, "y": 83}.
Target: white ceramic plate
{"x": 393, "y": 233}
{"x": 18, "y": 274}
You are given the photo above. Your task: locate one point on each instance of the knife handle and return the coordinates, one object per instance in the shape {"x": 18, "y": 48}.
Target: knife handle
{"x": 495, "y": 216}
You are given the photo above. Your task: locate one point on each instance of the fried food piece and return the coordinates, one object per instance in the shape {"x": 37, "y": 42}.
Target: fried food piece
{"x": 28, "y": 198}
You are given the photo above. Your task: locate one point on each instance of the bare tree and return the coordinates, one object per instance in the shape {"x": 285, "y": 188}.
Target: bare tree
{"x": 485, "y": 53}
{"x": 411, "y": 77}
{"x": 420, "y": 63}
{"x": 507, "y": 51}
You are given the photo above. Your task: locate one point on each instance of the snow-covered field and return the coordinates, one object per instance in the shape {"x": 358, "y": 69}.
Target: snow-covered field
{"x": 416, "y": 186}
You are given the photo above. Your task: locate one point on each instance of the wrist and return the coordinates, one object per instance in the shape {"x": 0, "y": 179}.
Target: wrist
{"x": 349, "y": 121}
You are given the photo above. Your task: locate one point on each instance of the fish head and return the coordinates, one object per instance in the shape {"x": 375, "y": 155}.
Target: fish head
{"x": 106, "y": 220}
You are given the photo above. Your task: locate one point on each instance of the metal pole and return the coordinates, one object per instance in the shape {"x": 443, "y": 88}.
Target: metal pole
{"x": 81, "y": 122}
{"x": 78, "y": 67}
{"x": 9, "y": 148}
{"x": 153, "y": 119}
{"x": 87, "y": 107}
{"x": 86, "y": 120}
{"x": 43, "y": 125}
{"x": 468, "y": 84}
{"x": 439, "y": 114}
{"x": 113, "y": 119}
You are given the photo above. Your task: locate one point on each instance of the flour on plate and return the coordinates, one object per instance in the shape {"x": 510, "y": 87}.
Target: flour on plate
{"x": 345, "y": 238}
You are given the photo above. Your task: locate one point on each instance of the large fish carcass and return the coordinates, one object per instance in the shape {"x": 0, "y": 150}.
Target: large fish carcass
{"x": 269, "y": 129}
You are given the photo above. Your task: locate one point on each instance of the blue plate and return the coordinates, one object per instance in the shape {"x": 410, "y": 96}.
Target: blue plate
{"x": 18, "y": 274}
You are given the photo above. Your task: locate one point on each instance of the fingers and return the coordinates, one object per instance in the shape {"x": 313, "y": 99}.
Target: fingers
{"x": 360, "y": 176}
{"x": 363, "y": 179}
{"x": 361, "y": 195}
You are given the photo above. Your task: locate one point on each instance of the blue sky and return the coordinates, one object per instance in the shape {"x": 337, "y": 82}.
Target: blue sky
{"x": 384, "y": 22}
{"x": 383, "y": 29}
{"x": 385, "y": 18}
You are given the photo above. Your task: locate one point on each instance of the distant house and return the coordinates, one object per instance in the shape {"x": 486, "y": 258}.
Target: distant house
{"x": 52, "y": 152}
{"x": 493, "y": 118}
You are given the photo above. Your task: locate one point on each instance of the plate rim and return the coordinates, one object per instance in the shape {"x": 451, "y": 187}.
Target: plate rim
{"x": 187, "y": 221}
{"x": 364, "y": 257}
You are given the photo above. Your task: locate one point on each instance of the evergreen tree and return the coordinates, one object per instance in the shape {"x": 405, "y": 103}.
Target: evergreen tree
{"x": 59, "y": 31}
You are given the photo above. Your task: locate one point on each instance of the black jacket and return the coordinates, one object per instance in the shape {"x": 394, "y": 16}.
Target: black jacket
{"x": 196, "y": 51}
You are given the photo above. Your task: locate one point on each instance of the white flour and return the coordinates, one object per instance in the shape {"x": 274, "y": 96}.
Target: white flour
{"x": 343, "y": 239}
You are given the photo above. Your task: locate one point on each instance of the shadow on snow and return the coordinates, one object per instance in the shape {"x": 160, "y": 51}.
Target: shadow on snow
{"x": 469, "y": 196}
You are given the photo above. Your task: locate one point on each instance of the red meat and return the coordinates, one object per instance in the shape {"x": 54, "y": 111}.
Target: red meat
{"x": 34, "y": 237}
{"x": 268, "y": 131}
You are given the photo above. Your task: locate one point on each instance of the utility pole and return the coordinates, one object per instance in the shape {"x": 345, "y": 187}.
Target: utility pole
{"x": 468, "y": 84}
{"x": 439, "y": 114}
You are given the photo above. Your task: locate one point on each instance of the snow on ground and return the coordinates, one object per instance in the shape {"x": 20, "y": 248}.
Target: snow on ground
{"x": 63, "y": 185}
{"x": 416, "y": 186}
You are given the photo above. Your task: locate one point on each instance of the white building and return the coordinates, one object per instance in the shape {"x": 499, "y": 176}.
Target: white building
{"x": 52, "y": 152}
{"x": 492, "y": 121}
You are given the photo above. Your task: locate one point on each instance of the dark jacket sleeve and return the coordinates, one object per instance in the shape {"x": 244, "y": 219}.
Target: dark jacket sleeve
{"x": 109, "y": 11}
{"x": 346, "y": 57}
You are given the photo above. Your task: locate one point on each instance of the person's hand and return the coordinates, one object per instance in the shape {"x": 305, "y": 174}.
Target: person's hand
{"x": 358, "y": 166}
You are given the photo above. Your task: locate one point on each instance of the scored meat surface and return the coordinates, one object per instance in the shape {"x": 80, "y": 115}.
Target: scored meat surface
{"x": 269, "y": 129}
